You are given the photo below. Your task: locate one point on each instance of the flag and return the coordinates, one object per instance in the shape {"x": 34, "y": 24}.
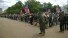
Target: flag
{"x": 26, "y": 9}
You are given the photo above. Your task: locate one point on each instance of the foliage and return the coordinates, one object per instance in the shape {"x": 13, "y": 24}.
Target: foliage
{"x": 15, "y": 8}
{"x": 47, "y": 6}
{"x": 33, "y": 5}
{"x": 53, "y": 9}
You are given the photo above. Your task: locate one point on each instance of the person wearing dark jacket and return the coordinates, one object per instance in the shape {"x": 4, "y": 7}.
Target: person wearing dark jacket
{"x": 66, "y": 22}
{"x": 62, "y": 21}
{"x": 65, "y": 25}
{"x": 50, "y": 20}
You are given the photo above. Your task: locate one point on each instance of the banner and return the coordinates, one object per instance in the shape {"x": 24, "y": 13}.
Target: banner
{"x": 26, "y": 9}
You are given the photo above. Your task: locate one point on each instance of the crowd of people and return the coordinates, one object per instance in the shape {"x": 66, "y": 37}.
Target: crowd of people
{"x": 40, "y": 18}
{"x": 63, "y": 19}
{"x": 44, "y": 19}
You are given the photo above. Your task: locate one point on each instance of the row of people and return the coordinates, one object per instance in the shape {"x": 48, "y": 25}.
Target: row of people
{"x": 63, "y": 21}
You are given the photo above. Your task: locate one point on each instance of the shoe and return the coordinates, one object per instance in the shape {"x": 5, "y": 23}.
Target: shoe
{"x": 40, "y": 33}
{"x": 43, "y": 34}
{"x": 61, "y": 31}
{"x": 67, "y": 28}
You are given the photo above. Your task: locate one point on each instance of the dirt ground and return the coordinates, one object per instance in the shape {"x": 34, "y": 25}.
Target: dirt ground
{"x": 16, "y": 29}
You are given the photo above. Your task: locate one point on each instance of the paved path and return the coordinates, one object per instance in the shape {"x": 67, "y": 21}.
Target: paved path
{"x": 16, "y": 29}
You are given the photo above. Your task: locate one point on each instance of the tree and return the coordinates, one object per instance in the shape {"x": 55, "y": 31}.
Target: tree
{"x": 47, "y": 6}
{"x": 15, "y": 8}
{"x": 53, "y": 9}
{"x": 65, "y": 8}
{"x": 34, "y": 6}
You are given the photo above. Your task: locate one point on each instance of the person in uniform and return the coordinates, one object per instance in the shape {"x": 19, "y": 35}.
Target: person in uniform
{"x": 31, "y": 18}
{"x": 62, "y": 21}
{"x": 42, "y": 24}
{"x": 66, "y": 22}
{"x": 35, "y": 19}
{"x": 50, "y": 20}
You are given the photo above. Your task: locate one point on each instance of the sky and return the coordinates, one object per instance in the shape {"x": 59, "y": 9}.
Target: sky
{"x": 7, "y": 3}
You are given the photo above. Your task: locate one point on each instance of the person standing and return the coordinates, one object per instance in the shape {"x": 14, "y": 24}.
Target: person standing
{"x": 62, "y": 21}
{"x": 50, "y": 20}
{"x": 66, "y": 22}
{"x": 35, "y": 19}
{"x": 31, "y": 19}
{"x": 41, "y": 24}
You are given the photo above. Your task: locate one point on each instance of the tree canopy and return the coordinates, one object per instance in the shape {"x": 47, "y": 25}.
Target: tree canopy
{"x": 15, "y": 8}
{"x": 33, "y": 5}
